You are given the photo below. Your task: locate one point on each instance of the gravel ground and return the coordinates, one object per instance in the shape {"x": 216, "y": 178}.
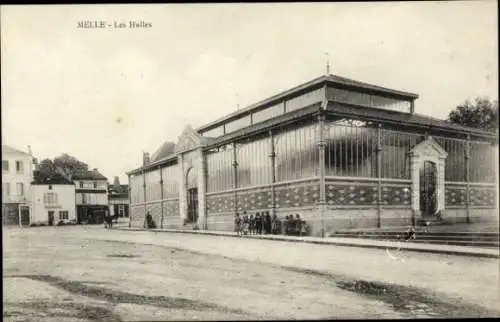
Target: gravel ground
{"x": 85, "y": 274}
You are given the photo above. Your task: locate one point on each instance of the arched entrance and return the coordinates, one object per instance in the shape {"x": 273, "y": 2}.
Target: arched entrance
{"x": 192, "y": 196}
{"x": 427, "y": 162}
{"x": 428, "y": 188}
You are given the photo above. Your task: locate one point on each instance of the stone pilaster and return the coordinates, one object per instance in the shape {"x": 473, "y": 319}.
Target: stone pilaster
{"x": 182, "y": 188}
{"x": 379, "y": 175}
{"x": 200, "y": 168}
{"x": 467, "y": 178}
{"x": 162, "y": 197}
{"x": 321, "y": 165}
{"x": 272, "y": 156}
{"x": 415, "y": 188}
{"x": 440, "y": 185}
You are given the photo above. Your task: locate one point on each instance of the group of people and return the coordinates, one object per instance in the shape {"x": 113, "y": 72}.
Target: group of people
{"x": 264, "y": 223}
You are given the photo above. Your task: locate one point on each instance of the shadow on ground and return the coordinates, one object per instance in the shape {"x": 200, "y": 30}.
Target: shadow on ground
{"x": 118, "y": 297}
{"x": 59, "y": 310}
{"x": 405, "y": 299}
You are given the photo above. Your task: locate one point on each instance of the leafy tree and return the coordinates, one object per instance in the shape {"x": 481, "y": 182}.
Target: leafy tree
{"x": 68, "y": 164}
{"x": 481, "y": 114}
{"x": 45, "y": 170}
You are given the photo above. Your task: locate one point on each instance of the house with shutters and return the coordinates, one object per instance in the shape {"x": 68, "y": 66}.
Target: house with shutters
{"x": 91, "y": 188}
{"x": 17, "y": 174}
{"x": 53, "y": 201}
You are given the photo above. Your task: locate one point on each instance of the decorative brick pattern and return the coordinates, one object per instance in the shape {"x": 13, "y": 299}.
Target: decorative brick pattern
{"x": 220, "y": 203}
{"x": 155, "y": 210}
{"x": 297, "y": 195}
{"x": 396, "y": 195}
{"x": 366, "y": 194}
{"x": 345, "y": 194}
{"x": 254, "y": 199}
{"x": 171, "y": 208}
{"x": 137, "y": 214}
{"x": 483, "y": 196}
{"x": 455, "y": 196}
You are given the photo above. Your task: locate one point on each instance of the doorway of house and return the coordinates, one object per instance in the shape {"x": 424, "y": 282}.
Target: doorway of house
{"x": 428, "y": 189}
{"x": 25, "y": 216}
{"x": 51, "y": 218}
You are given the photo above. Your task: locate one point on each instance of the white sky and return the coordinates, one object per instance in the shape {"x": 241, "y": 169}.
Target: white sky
{"x": 64, "y": 88}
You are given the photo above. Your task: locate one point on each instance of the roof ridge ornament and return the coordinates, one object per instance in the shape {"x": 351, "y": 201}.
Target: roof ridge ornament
{"x": 327, "y": 64}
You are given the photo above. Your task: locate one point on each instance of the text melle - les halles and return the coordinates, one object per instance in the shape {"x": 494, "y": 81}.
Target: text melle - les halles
{"x": 100, "y": 24}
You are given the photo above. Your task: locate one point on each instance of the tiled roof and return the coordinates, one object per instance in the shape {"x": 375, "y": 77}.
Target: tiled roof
{"x": 164, "y": 151}
{"x": 404, "y": 118}
{"x": 122, "y": 188}
{"x": 314, "y": 83}
{"x": 9, "y": 149}
{"x": 358, "y": 84}
{"x": 88, "y": 175}
{"x": 118, "y": 191}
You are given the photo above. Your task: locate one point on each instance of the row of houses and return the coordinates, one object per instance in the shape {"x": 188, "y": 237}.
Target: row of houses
{"x": 82, "y": 197}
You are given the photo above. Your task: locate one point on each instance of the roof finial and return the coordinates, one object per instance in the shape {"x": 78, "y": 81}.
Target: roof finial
{"x": 327, "y": 64}
{"x": 237, "y": 101}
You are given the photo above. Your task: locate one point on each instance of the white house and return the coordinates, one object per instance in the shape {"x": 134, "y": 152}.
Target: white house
{"x": 17, "y": 174}
{"x": 53, "y": 201}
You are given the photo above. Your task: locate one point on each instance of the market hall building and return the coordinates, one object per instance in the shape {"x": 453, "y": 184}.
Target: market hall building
{"x": 341, "y": 153}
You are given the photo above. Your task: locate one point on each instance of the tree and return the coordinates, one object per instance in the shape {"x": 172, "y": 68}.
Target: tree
{"x": 44, "y": 171}
{"x": 481, "y": 114}
{"x": 70, "y": 164}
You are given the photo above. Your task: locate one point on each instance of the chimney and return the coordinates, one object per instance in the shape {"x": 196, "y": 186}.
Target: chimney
{"x": 116, "y": 181}
{"x": 95, "y": 170}
{"x": 145, "y": 158}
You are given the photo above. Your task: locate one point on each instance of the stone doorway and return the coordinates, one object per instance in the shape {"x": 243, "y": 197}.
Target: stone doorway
{"x": 428, "y": 189}
{"x": 427, "y": 174}
{"x": 192, "y": 196}
{"x": 192, "y": 203}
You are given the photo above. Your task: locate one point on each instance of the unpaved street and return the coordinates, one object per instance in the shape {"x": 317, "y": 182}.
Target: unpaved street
{"x": 88, "y": 273}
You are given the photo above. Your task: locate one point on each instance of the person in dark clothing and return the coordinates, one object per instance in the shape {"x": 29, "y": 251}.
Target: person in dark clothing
{"x": 292, "y": 226}
{"x": 285, "y": 226}
{"x": 251, "y": 222}
{"x": 274, "y": 224}
{"x": 108, "y": 220}
{"x": 298, "y": 225}
{"x": 262, "y": 227}
{"x": 268, "y": 224}
{"x": 150, "y": 223}
{"x": 258, "y": 223}
{"x": 237, "y": 224}
{"x": 410, "y": 234}
{"x": 246, "y": 223}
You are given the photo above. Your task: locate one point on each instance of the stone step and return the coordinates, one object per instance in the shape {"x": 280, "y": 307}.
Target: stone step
{"x": 459, "y": 242}
{"x": 494, "y": 238}
{"x": 423, "y": 234}
{"x": 463, "y": 240}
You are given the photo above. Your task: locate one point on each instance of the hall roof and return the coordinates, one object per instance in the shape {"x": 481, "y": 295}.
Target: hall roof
{"x": 164, "y": 151}
{"x": 315, "y": 83}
